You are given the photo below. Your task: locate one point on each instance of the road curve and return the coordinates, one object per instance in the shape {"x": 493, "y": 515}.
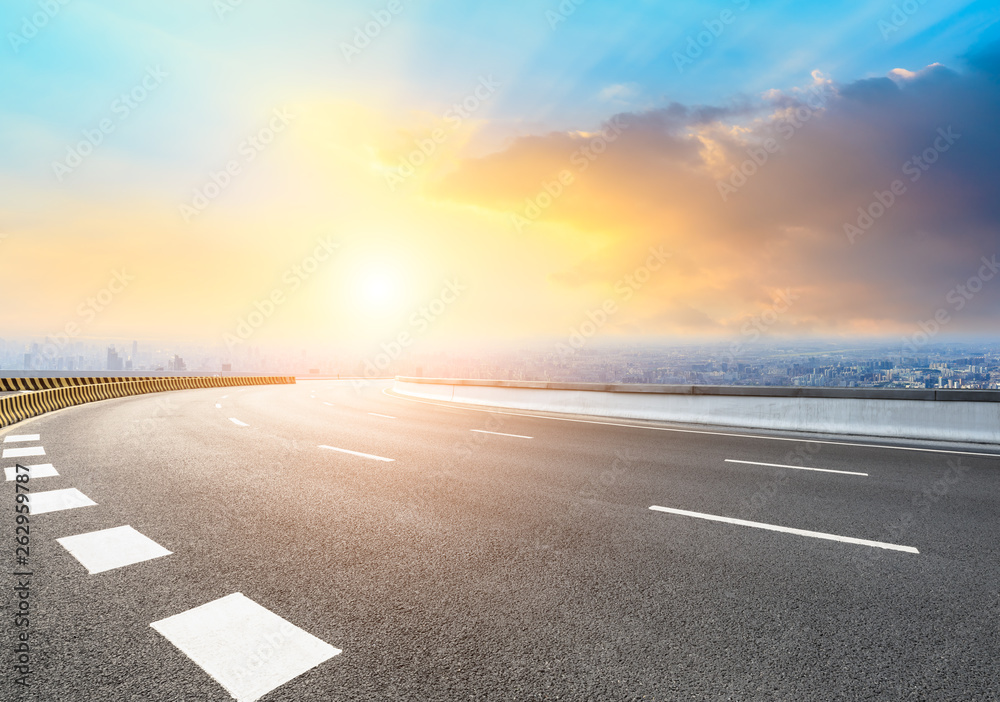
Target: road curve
{"x": 448, "y": 553}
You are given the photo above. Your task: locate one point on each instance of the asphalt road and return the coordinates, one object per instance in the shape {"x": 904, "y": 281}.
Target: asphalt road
{"x": 491, "y": 566}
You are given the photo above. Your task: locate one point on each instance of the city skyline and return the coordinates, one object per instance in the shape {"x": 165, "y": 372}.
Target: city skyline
{"x": 940, "y": 363}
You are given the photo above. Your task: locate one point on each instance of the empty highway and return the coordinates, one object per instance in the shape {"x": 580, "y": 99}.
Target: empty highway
{"x": 416, "y": 551}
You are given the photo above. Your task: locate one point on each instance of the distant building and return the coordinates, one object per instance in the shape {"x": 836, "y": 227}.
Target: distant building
{"x": 115, "y": 362}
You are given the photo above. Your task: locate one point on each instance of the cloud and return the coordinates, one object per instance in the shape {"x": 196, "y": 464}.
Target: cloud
{"x": 837, "y": 146}
{"x": 617, "y": 93}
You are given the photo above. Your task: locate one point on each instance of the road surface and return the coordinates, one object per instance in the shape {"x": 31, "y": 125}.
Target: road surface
{"x": 415, "y": 551}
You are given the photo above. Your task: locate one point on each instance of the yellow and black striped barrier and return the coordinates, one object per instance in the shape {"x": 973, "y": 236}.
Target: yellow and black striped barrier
{"x": 19, "y": 384}
{"x": 49, "y": 394}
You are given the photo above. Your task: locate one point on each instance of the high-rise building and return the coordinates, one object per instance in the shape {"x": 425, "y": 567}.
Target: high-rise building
{"x": 115, "y": 362}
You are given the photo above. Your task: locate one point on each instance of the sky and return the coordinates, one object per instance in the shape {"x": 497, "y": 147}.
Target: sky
{"x": 245, "y": 173}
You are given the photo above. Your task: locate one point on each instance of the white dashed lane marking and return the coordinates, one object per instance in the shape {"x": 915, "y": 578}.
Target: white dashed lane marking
{"x": 41, "y": 470}
{"x": 497, "y": 433}
{"x": 14, "y": 438}
{"x": 781, "y": 465}
{"x": 237, "y": 422}
{"x": 21, "y": 452}
{"x": 358, "y": 453}
{"x": 787, "y": 530}
{"x": 57, "y": 500}
{"x": 108, "y": 549}
{"x": 384, "y": 416}
{"x": 246, "y": 648}
{"x": 218, "y": 406}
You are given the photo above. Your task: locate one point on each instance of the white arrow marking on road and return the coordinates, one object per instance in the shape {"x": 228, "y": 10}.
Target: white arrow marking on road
{"x": 358, "y": 453}
{"x": 780, "y": 465}
{"x": 787, "y": 530}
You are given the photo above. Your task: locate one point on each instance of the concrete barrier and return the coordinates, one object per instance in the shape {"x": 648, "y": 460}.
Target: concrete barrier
{"x": 948, "y": 415}
{"x": 47, "y": 394}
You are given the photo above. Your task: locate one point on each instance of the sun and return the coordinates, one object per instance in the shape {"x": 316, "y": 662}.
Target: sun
{"x": 379, "y": 289}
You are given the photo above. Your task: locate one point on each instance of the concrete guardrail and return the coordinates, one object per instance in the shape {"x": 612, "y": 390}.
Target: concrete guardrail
{"x": 40, "y": 395}
{"x": 947, "y": 415}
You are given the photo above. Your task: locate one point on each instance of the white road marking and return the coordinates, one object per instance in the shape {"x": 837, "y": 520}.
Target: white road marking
{"x": 237, "y": 422}
{"x": 21, "y": 437}
{"x": 787, "y": 530}
{"x": 357, "y": 453}
{"x": 224, "y": 397}
{"x": 384, "y": 416}
{"x": 19, "y": 452}
{"x": 246, "y": 648}
{"x": 781, "y": 465}
{"x": 41, "y": 470}
{"x": 457, "y": 406}
{"x": 57, "y": 500}
{"x": 329, "y": 404}
{"x": 497, "y": 433}
{"x": 108, "y": 549}
{"x": 218, "y": 406}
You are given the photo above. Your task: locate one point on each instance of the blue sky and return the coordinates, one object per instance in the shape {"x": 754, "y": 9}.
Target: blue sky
{"x": 228, "y": 65}
{"x": 429, "y": 54}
